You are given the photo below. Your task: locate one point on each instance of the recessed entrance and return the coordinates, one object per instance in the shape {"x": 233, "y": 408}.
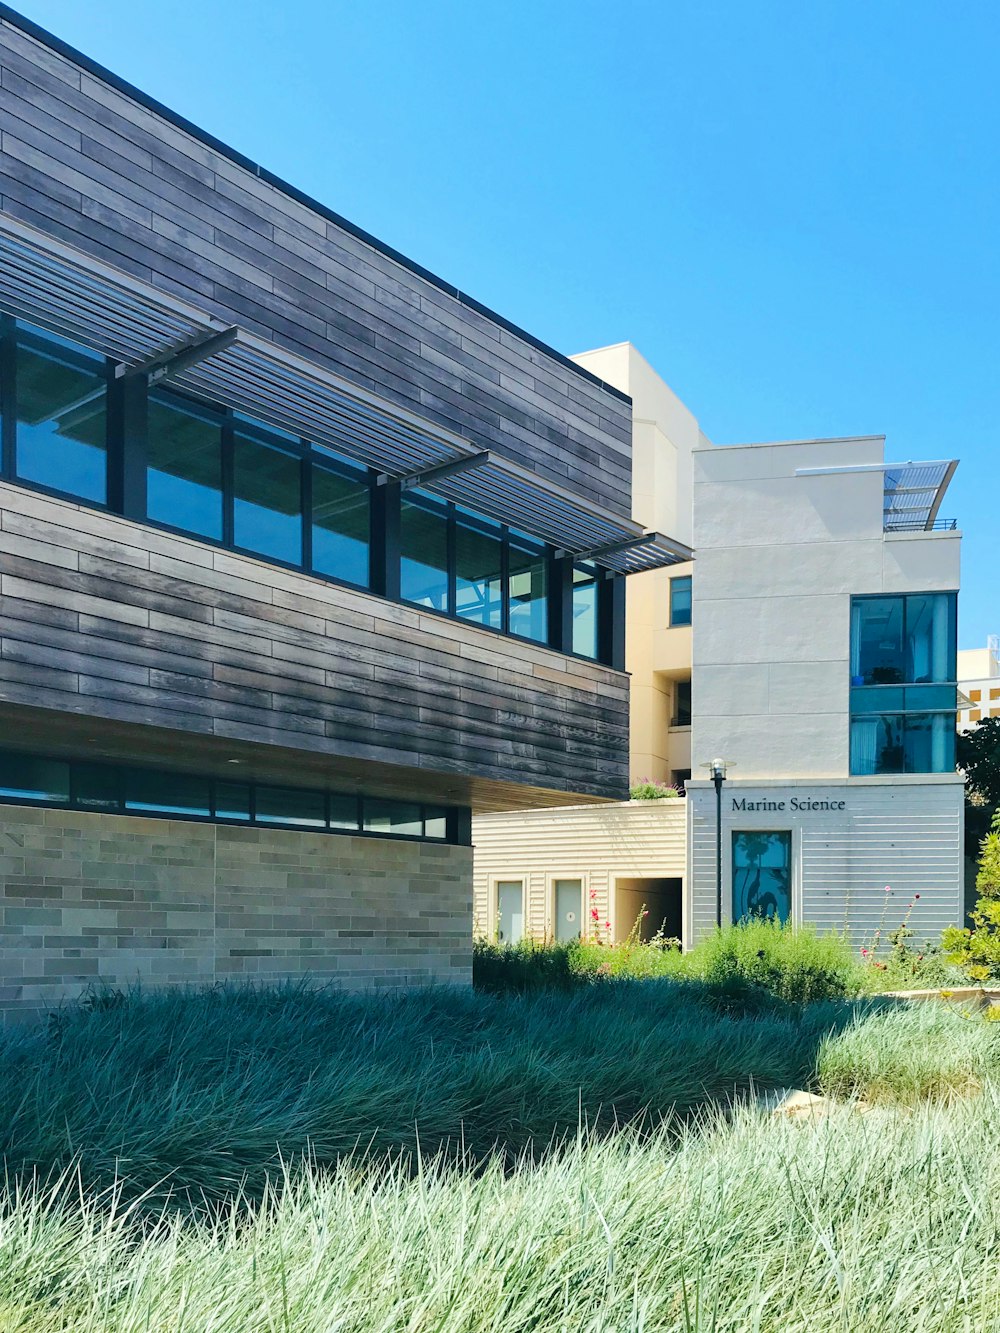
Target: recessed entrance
{"x": 660, "y": 899}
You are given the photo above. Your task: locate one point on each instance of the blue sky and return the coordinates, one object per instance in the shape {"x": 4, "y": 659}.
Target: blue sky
{"x": 791, "y": 209}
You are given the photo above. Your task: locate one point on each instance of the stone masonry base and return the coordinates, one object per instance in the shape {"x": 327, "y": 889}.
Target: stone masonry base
{"x": 96, "y": 899}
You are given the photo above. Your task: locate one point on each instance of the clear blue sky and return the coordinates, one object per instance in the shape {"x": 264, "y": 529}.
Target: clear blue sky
{"x": 791, "y": 208}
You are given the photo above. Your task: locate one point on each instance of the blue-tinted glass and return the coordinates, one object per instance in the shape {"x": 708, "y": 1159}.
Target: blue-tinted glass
{"x": 762, "y": 875}
{"x": 31, "y": 779}
{"x": 232, "y": 800}
{"x": 478, "y": 581}
{"x": 877, "y": 699}
{"x": 61, "y": 418}
{"x": 585, "y": 610}
{"x": 167, "y": 793}
{"x": 399, "y": 817}
{"x": 341, "y": 521}
{"x": 96, "y": 787}
{"x": 267, "y": 507}
{"x": 929, "y": 742}
{"x": 930, "y": 639}
{"x": 423, "y": 542}
{"x": 877, "y": 744}
{"x": 435, "y": 822}
{"x": 285, "y": 805}
{"x": 184, "y": 468}
{"x": 680, "y": 600}
{"x": 343, "y": 811}
{"x": 527, "y": 585}
{"x": 878, "y": 655}
{"x": 930, "y": 698}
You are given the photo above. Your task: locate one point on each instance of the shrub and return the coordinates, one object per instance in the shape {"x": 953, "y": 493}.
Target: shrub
{"x": 527, "y": 966}
{"x": 648, "y": 790}
{"x": 977, "y": 949}
{"x": 757, "y": 962}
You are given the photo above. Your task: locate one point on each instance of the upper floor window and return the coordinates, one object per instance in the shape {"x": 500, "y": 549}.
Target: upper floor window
{"x": 903, "y": 683}
{"x": 682, "y": 703}
{"x": 680, "y": 600}
{"x": 586, "y": 591}
{"x": 60, "y": 410}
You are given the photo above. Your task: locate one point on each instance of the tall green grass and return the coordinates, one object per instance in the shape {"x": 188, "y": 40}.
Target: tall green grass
{"x": 744, "y": 1223}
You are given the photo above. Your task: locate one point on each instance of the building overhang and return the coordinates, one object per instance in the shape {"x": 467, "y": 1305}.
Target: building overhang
{"x": 911, "y": 492}
{"x": 145, "y": 331}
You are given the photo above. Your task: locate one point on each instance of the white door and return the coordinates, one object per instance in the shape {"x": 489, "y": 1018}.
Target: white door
{"x": 510, "y": 911}
{"x": 568, "y": 894}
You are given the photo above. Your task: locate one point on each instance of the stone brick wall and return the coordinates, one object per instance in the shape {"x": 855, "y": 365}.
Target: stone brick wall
{"x": 109, "y": 899}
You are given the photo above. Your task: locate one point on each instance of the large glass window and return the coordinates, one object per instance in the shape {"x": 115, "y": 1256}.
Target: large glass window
{"x": 267, "y": 500}
{"x": 527, "y": 583}
{"x": 478, "y": 569}
{"x": 680, "y": 600}
{"x": 184, "y": 467}
{"x": 288, "y": 805}
{"x": 167, "y": 793}
{"x": 903, "y": 691}
{"x": 762, "y": 875}
{"x": 423, "y": 542}
{"x": 585, "y": 602}
{"x": 341, "y": 522}
{"x": 61, "y": 397}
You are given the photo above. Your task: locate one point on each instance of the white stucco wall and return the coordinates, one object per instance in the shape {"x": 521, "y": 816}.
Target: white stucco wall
{"x": 778, "y": 558}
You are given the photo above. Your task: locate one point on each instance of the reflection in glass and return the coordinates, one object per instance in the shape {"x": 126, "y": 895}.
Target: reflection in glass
{"x": 232, "y": 800}
{"x": 528, "y": 589}
{"x": 166, "y": 793}
{"x": 96, "y": 787}
{"x": 435, "y": 822}
{"x": 478, "y": 564}
{"x": 61, "y": 418}
{"x": 285, "y": 805}
{"x": 341, "y": 523}
{"x": 267, "y": 507}
{"x": 680, "y": 600}
{"x": 423, "y": 541}
{"x": 184, "y": 468}
{"x": 585, "y": 610}
{"x": 31, "y": 779}
{"x": 762, "y": 882}
{"x": 343, "y": 812}
{"x": 399, "y": 817}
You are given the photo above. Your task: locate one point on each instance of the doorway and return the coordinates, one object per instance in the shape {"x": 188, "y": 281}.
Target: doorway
{"x": 660, "y": 899}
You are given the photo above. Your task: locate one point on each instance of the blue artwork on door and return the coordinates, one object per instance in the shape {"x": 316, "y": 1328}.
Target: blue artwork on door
{"x": 762, "y": 875}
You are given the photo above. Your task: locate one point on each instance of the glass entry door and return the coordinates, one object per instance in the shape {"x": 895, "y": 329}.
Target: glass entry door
{"x": 762, "y": 875}
{"x": 568, "y": 895}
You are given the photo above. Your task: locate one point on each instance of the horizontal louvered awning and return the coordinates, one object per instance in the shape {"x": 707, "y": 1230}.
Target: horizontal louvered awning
{"x": 59, "y": 288}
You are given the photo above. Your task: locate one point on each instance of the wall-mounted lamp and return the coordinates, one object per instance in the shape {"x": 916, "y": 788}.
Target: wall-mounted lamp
{"x": 718, "y": 769}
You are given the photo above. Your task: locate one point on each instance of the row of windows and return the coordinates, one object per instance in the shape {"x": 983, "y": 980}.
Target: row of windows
{"x": 218, "y": 476}
{"x": 119, "y": 789}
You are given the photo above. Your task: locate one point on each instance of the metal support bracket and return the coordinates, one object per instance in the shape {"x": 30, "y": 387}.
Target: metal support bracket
{"x": 175, "y": 359}
{"x": 437, "y": 472}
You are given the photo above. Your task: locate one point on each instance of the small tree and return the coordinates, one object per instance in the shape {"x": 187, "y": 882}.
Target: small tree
{"x": 977, "y": 950}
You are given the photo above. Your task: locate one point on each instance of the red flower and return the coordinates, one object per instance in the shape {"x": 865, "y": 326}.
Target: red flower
{"x": 916, "y": 897}
{"x": 607, "y": 925}
{"x": 595, "y": 914}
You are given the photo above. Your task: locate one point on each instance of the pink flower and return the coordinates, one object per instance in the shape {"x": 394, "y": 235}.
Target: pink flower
{"x": 645, "y": 914}
{"x": 888, "y": 889}
{"x": 607, "y": 925}
{"x": 593, "y": 894}
{"x": 916, "y": 897}
{"x": 864, "y": 953}
{"x": 595, "y": 914}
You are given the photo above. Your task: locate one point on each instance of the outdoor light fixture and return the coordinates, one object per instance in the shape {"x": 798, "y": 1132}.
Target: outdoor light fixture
{"x": 718, "y": 769}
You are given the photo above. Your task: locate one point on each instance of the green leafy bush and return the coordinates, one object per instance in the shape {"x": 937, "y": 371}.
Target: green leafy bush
{"x": 977, "y": 949}
{"x": 758, "y": 962}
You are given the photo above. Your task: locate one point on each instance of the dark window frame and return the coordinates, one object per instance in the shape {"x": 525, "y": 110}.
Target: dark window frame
{"x": 680, "y": 578}
{"x": 127, "y": 413}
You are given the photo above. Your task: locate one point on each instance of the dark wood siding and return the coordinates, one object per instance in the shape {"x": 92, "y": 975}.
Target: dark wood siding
{"x": 88, "y": 163}
{"x": 118, "y": 623}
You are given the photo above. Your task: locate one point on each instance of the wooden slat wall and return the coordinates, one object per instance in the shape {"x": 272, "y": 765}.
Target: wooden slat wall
{"x": 88, "y": 163}
{"x": 106, "y": 617}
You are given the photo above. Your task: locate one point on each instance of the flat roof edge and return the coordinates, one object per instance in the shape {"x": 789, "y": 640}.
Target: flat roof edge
{"x": 788, "y": 444}
{"x": 99, "y": 71}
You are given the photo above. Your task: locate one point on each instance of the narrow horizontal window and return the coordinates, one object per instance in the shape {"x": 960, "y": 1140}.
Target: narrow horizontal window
{"x": 344, "y": 812}
{"x": 435, "y": 823}
{"x": 167, "y": 794}
{"x": 29, "y": 779}
{"x": 96, "y": 787}
{"x": 232, "y": 800}
{"x": 287, "y": 805}
{"x": 396, "y": 817}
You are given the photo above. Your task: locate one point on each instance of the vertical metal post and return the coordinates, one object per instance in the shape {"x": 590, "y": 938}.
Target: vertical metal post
{"x": 718, "y": 777}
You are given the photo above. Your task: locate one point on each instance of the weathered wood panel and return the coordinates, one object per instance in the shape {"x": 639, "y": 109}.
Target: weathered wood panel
{"x": 104, "y": 616}
{"x": 93, "y": 165}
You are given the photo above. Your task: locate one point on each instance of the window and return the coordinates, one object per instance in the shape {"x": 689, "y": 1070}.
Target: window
{"x": 527, "y": 588}
{"x": 478, "y": 569}
{"x": 585, "y": 604}
{"x": 680, "y": 600}
{"x": 184, "y": 467}
{"x": 61, "y": 416}
{"x": 510, "y": 910}
{"x": 903, "y": 691}
{"x": 762, "y": 877}
{"x": 341, "y": 525}
{"x": 85, "y": 785}
{"x": 567, "y": 895}
{"x": 267, "y": 500}
{"x": 423, "y": 541}
{"x": 682, "y": 703}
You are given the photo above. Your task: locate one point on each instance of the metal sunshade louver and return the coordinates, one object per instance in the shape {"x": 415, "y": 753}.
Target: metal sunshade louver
{"x": 48, "y": 283}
